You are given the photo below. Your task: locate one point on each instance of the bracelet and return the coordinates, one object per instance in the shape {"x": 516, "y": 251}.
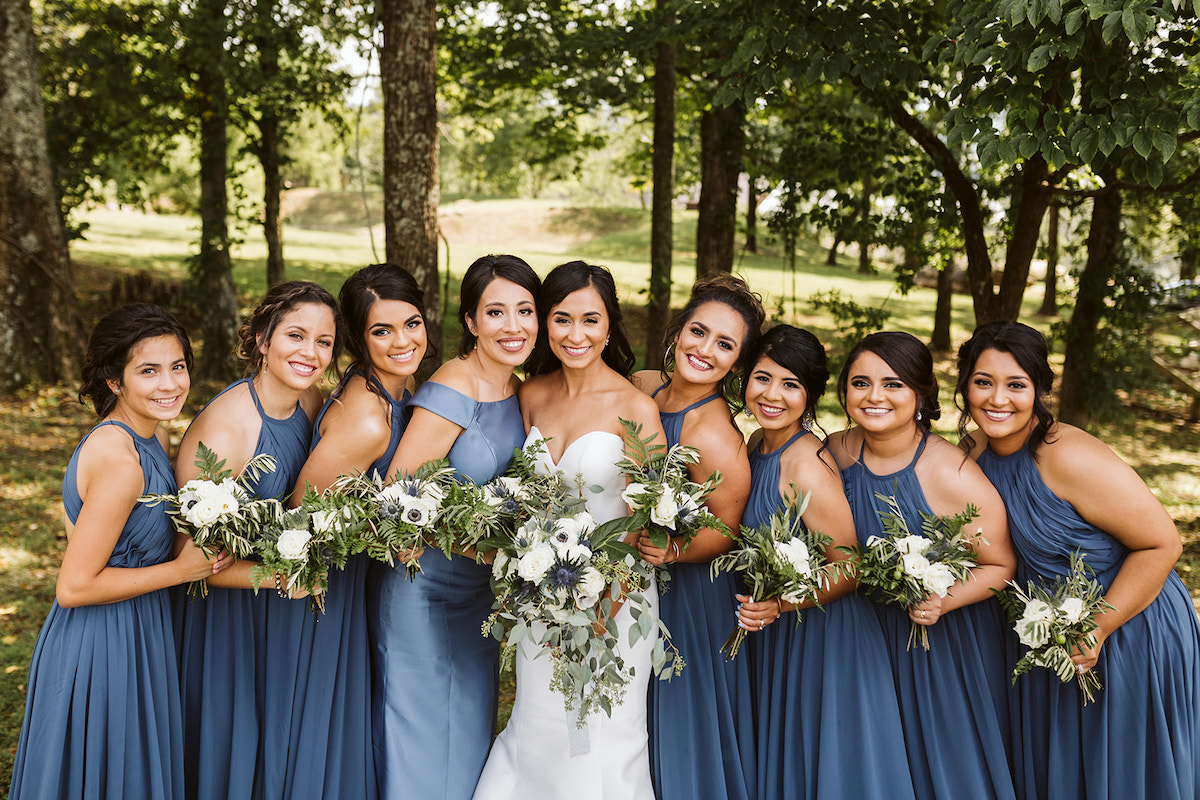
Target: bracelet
{"x": 675, "y": 545}
{"x": 779, "y": 605}
{"x": 279, "y": 587}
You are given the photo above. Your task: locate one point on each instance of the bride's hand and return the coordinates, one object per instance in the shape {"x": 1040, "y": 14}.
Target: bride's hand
{"x": 658, "y": 556}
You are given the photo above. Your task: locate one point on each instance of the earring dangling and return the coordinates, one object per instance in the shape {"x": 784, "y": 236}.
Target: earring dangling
{"x": 919, "y": 417}
{"x": 606, "y": 340}
{"x": 807, "y": 421}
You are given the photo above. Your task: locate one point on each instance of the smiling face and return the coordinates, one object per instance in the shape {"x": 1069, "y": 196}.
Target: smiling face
{"x": 301, "y": 346}
{"x": 776, "y": 397}
{"x": 154, "y": 383}
{"x": 505, "y": 323}
{"x": 396, "y": 339}
{"x": 1000, "y": 399}
{"x": 708, "y": 345}
{"x": 577, "y": 328}
{"x": 876, "y": 399}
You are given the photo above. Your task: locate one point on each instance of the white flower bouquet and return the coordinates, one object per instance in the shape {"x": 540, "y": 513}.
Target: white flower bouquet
{"x": 904, "y": 568}
{"x": 397, "y": 518}
{"x": 1056, "y": 619}
{"x": 781, "y": 558}
{"x": 300, "y": 547}
{"x": 216, "y": 511}
{"x": 559, "y": 579}
{"x": 662, "y": 499}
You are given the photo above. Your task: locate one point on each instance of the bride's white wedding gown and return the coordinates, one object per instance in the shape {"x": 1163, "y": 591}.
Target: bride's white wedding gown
{"x": 542, "y": 754}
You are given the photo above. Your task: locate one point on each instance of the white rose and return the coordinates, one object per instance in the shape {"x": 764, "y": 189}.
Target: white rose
{"x": 915, "y": 565}
{"x": 664, "y": 512}
{"x": 912, "y": 545}
{"x": 325, "y": 521}
{"x": 499, "y": 564}
{"x": 1038, "y": 610}
{"x": 591, "y": 584}
{"x": 795, "y": 552}
{"x": 1073, "y": 609}
{"x": 293, "y": 544}
{"x": 938, "y": 579}
{"x": 534, "y": 565}
{"x": 630, "y": 493}
{"x": 204, "y": 512}
{"x": 1030, "y": 637}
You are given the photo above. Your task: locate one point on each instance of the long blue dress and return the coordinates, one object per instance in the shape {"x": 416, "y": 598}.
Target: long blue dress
{"x": 317, "y": 742}
{"x": 233, "y": 733}
{"x": 435, "y": 694}
{"x": 701, "y": 726}
{"x": 826, "y": 706}
{"x": 1141, "y": 736}
{"x": 102, "y": 717}
{"x": 953, "y": 697}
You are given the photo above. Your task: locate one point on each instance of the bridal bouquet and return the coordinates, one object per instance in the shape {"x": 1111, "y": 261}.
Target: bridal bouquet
{"x": 216, "y": 511}
{"x": 558, "y": 582}
{"x": 904, "y": 568}
{"x": 781, "y": 558}
{"x": 395, "y": 519}
{"x": 1055, "y": 619}
{"x": 301, "y": 545}
{"x": 663, "y": 500}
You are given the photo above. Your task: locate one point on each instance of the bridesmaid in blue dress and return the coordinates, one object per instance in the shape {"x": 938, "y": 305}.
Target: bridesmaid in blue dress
{"x": 237, "y": 696}
{"x": 953, "y": 697}
{"x": 701, "y": 725}
{"x": 102, "y": 717}
{"x": 356, "y": 431}
{"x": 436, "y": 674}
{"x": 1067, "y": 491}
{"x": 826, "y": 706}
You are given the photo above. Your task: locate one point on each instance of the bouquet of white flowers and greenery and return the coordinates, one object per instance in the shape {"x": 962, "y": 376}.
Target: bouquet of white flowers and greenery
{"x": 1053, "y": 620}
{"x": 663, "y": 500}
{"x": 558, "y": 582}
{"x": 299, "y": 548}
{"x": 216, "y": 511}
{"x": 904, "y": 568}
{"x": 474, "y": 513}
{"x": 396, "y": 518}
{"x": 781, "y": 558}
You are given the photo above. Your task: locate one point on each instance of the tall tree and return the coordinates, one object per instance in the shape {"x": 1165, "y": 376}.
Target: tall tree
{"x": 722, "y": 136}
{"x": 39, "y": 331}
{"x": 408, "y": 64}
{"x": 662, "y": 203}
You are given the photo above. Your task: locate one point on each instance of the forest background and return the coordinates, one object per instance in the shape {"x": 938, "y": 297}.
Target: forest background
{"x": 866, "y": 164}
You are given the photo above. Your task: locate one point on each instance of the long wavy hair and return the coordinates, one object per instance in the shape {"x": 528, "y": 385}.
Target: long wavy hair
{"x": 360, "y": 293}
{"x": 562, "y": 281}
{"x": 478, "y": 277}
{"x": 912, "y": 362}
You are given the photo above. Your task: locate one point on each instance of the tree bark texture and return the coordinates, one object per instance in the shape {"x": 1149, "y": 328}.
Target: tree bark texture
{"x": 751, "y": 215}
{"x": 213, "y": 271}
{"x": 864, "y": 235}
{"x": 658, "y": 309}
{"x": 722, "y": 136}
{"x": 1050, "y": 298}
{"x": 1026, "y": 209}
{"x": 940, "y": 341}
{"x": 1103, "y": 247}
{"x": 39, "y": 328}
{"x": 269, "y": 130}
{"x": 410, "y": 146}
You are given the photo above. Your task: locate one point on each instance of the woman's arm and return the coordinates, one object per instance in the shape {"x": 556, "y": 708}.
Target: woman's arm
{"x": 355, "y": 432}
{"x": 110, "y": 480}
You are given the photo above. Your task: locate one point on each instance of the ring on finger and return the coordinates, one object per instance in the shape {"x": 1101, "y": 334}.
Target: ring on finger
{"x": 924, "y": 614}
{"x": 761, "y": 623}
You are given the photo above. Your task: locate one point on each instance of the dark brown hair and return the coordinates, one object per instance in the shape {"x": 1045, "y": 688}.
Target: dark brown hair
{"x": 111, "y": 344}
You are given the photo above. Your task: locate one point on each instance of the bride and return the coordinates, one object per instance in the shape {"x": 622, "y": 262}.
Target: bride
{"x": 575, "y": 402}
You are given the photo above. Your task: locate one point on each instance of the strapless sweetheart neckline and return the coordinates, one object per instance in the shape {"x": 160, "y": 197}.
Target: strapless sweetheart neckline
{"x": 531, "y": 437}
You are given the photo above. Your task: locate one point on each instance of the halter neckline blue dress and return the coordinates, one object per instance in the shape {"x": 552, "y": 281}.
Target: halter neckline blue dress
{"x": 701, "y": 726}
{"x": 102, "y": 716}
{"x": 1141, "y": 736}
{"x": 825, "y": 702}
{"x": 436, "y": 675}
{"x": 236, "y": 713}
{"x": 953, "y": 697}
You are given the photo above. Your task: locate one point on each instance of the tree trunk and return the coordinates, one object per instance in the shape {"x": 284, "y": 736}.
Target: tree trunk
{"x": 39, "y": 327}
{"x": 722, "y": 136}
{"x": 658, "y": 310}
{"x": 1050, "y": 298}
{"x": 408, "y": 64}
{"x": 1104, "y": 244}
{"x": 831, "y": 256}
{"x": 1028, "y": 207}
{"x": 269, "y": 128}
{"x": 751, "y": 215}
{"x": 940, "y": 341}
{"x": 864, "y": 231}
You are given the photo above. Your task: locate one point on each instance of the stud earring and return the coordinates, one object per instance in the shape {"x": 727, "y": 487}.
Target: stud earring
{"x": 919, "y": 417}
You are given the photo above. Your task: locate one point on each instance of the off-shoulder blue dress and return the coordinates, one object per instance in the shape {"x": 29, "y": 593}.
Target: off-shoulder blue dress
{"x": 102, "y": 717}
{"x": 1141, "y": 736}
{"x": 953, "y": 697}
{"x": 701, "y": 727}
{"x": 825, "y": 702}
{"x": 435, "y": 693}
{"x": 234, "y": 724}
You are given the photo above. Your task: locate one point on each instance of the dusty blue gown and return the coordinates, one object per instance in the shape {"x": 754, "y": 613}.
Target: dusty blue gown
{"x": 953, "y": 697}
{"x": 435, "y": 692}
{"x": 1141, "y": 736}
{"x": 236, "y": 729}
{"x": 825, "y": 702}
{"x": 102, "y": 716}
{"x": 701, "y": 727}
